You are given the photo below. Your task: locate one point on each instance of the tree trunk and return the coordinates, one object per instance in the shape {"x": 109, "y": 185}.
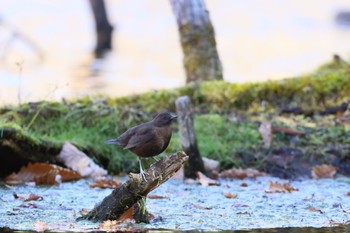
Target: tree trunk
{"x": 197, "y": 36}
{"x": 188, "y": 137}
{"x": 131, "y": 192}
{"x": 103, "y": 28}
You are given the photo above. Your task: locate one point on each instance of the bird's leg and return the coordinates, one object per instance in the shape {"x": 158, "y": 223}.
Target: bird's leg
{"x": 142, "y": 173}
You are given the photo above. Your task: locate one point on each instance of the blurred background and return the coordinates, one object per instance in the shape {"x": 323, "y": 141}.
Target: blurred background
{"x": 46, "y": 47}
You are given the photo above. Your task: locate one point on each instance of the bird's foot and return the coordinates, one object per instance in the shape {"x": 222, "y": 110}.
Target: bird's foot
{"x": 142, "y": 174}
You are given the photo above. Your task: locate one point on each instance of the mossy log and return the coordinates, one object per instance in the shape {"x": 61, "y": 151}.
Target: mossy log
{"x": 18, "y": 147}
{"x": 132, "y": 191}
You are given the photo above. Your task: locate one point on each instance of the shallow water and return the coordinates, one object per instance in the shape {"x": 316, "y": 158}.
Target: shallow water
{"x": 189, "y": 207}
{"x": 257, "y": 40}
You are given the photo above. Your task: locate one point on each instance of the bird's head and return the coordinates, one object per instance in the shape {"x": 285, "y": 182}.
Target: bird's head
{"x": 164, "y": 118}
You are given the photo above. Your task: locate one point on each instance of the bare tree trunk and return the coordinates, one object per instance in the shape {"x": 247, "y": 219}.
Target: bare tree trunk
{"x": 201, "y": 59}
{"x": 188, "y": 137}
{"x": 103, "y": 28}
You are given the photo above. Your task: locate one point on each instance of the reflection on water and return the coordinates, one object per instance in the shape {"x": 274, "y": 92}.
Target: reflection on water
{"x": 257, "y": 40}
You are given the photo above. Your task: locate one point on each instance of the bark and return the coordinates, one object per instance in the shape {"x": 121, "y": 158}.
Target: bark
{"x": 103, "y": 28}
{"x": 197, "y": 36}
{"x": 131, "y": 192}
{"x": 188, "y": 137}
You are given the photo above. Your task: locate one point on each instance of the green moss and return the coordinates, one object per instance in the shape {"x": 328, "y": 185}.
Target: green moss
{"x": 88, "y": 122}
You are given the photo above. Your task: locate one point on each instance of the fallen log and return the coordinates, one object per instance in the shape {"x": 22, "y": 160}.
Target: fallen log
{"x": 136, "y": 188}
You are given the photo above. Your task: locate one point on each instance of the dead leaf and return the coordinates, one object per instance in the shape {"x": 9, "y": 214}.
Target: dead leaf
{"x": 276, "y": 187}
{"x": 265, "y": 130}
{"x": 127, "y": 215}
{"x": 78, "y": 161}
{"x": 42, "y": 173}
{"x": 154, "y": 196}
{"x": 204, "y": 180}
{"x": 40, "y": 226}
{"x": 31, "y": 197}
{"x": 323, "y": 171}
{"x": 313, "y": 209}
{"x": 287, "y": 131}
{"x": 230, "y": 195}
{"x": 246, "y": 212}
{"x": 348, "y": 194}
{"x": 29, "y": 205}
{"x": 104, "y": 182}
{"x": 239, "y": 173}
{"x": 244, "y": 184}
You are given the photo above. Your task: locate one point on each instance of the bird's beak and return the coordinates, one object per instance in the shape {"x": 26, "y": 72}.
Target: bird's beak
{"x": 173, "y": 116}
{"x": 111, "y": 141}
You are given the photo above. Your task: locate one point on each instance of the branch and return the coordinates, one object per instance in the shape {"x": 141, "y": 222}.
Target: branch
{"x": 125, "y": 196}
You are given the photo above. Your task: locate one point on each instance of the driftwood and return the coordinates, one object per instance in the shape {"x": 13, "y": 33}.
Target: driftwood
{"x": 132, "y": 191}
{"x": 188, "y": 137}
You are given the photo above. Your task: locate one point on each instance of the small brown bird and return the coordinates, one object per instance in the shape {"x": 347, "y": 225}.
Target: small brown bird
{"x": 148, "y": 139}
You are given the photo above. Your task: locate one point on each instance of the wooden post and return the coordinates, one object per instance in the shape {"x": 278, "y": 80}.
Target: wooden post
{"x": 188, "y": 137}
{"x": 132, "y": 191}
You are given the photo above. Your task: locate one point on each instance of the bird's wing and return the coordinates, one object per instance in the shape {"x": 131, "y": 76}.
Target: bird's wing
{"x": 140, "y": 137}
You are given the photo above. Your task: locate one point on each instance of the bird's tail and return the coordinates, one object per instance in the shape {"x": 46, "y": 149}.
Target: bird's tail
{"x": 112, "y": 141}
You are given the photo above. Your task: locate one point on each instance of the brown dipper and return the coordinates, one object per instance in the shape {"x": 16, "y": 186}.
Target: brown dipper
{"x": 148, "y": 139}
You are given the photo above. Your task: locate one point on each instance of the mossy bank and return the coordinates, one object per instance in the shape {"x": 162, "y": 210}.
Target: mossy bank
{"x": 227, "y": 121}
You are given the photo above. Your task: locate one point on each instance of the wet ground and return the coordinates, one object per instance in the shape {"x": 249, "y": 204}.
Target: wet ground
{"x": 318, "y": 203}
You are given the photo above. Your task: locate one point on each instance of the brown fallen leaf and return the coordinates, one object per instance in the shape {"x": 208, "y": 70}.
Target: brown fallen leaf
{"x": 31, "y": 197}
{"x": 205, "y": 181}
{"x": 201, "y": 207}
{"x": 313, "y": 209}
{"x": 265, "y": 130}
{"x": 104, "y": 182}
{"x": 127, "y": 215}
{"x": 245, "y": 212}
{"x": 287, "y": 131}
{"x": 348, "y": 194}
{"x": 323, "y": 171}
{"x": 276, "y": 187}
{"x": 154, "y": 196}
{"x": 42, "y": 173}
{"x": 230, "y": 195}
{"x": 244, "y": 184}
{"x": 239, "y": 173}
{"x": 29, "y": 205}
